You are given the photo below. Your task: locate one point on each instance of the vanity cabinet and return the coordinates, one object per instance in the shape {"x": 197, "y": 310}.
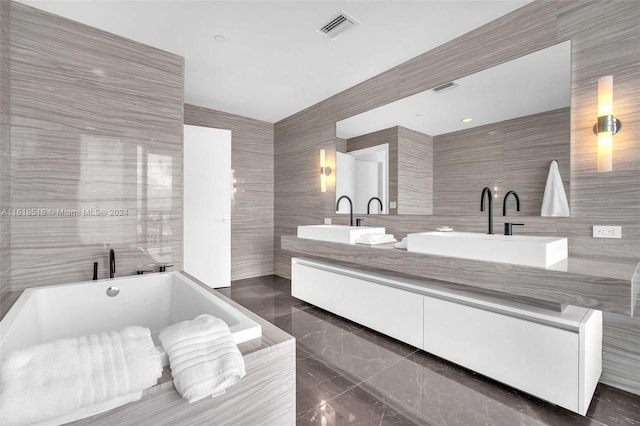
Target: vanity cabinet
{"x": 556, "y": 356}
{"x": 391, "y": 311}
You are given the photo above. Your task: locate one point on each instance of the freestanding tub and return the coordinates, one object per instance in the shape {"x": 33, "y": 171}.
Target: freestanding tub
{"x": 154, "y": 301}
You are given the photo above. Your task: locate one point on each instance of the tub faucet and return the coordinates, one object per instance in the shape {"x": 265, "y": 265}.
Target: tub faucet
{"x": 504, "y": 202}
{"x": 487, "y": 191}
{"x": 369, "y": 204}
{"x": 350, "y": 208}
{"x": 112, "y": 263}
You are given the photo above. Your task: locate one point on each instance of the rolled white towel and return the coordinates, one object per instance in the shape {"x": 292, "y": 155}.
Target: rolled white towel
{"x": 203, "y": 357}
{"x": 372, "y": 239}
{"x": 56, "y": 379}
{"x": 401, "y": 244}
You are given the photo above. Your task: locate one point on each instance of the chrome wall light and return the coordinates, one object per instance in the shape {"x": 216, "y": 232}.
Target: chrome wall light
{"x": 324, "y": 171}
{"x": 607, "y": 124}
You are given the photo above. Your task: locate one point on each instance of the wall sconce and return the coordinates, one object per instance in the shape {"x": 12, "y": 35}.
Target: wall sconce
{"x": 324, "y": 172}
{"x": 607, "y": 124}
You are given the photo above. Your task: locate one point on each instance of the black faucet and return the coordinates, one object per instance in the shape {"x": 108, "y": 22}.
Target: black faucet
{"x": 504, "y": 202}
{"x": 163, "y": 268}
{"x": 350, "y": 208}
{"x": 486, "y": 190}
{"x": 112, "y": 263}
{"x": 369, "y": 204}
{"x": 508, "y": 227}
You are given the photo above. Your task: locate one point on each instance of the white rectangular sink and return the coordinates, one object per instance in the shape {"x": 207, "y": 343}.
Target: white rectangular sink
{"x": 517, "y": 249}
{"x": 336, "y": 233}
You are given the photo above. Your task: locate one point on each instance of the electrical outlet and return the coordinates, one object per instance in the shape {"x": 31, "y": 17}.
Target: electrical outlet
{"x": 392, "y": 205}
{"x": 327, "y": 221}
{"x": 607, "y": 232}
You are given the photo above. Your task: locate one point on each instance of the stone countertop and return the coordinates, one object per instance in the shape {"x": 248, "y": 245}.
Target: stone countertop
{"x": 598, "y": 284}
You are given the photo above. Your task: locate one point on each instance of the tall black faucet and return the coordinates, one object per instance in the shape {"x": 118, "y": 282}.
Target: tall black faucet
{"x": 369, "y": 204}
{"x": 350, "y": 208}
{"x": 504, "y": 202}
{"x": 486, "y": 190}
{"x": 112, "y": 263}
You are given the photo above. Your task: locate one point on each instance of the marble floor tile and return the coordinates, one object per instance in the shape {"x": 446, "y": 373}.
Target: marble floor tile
{"x": 361, "y": 406}
{"x": 317, "y": 383}
{"x": 350, "y": 375}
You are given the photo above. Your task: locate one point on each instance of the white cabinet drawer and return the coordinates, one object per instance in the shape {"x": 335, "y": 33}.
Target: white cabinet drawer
{"x": 536, "y": 358}
{"x": 391, "y": 311}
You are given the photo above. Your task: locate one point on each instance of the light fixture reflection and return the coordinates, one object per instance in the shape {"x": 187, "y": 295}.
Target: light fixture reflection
{"x": 324, "y": 171}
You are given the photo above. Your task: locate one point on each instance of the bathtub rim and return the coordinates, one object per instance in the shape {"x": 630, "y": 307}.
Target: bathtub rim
{"x": 245, "y": 330}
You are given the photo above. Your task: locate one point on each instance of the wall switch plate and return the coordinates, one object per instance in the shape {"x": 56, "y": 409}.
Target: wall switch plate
{"x": 392, "y": 205}
{"x": 327, "y": 221}
{"x": 607, "y": 232}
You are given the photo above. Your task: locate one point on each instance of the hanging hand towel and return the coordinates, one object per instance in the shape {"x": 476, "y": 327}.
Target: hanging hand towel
{"x": 554, "y": 202}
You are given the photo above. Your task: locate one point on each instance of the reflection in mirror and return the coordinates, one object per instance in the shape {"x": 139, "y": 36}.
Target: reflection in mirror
{"x": 499, "y": 127}
{"x": 364, "y": 178}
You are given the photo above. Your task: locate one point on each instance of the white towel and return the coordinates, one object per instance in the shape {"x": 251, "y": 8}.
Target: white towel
{"x": 56, "y": 379}
{"x": 372, "y": 239}
{"x": 554, "y": 202}
{"x": 203, "y": 357}
{"x": 402, "y": 244}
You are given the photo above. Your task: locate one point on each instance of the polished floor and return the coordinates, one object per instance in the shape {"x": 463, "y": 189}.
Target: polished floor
{"x": 350, "y": 375}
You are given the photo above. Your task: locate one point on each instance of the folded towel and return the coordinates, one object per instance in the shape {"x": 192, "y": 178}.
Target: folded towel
{"x": 402, "y": 244}
{"x": 55, "y": 379}
{"x": 203, "y": 357}
{"x": 372, "y": 239}
{"x": 554, "y": 201}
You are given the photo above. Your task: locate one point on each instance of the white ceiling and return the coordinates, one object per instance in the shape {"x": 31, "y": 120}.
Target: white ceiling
{"x": 273, "y": 63}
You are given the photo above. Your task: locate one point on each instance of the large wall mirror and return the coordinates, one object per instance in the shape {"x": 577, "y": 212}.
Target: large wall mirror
{"x": 433, "y": 152}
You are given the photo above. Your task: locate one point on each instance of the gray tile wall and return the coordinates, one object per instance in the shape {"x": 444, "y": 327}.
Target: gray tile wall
{"x": 5, "y": 153}
{"x": 605, "y": 40}
{"x": 510, "y": 155}
{"x": 415, "y": 172}
{"x": 95, "y": 123}
{"x": 252, "y": 212}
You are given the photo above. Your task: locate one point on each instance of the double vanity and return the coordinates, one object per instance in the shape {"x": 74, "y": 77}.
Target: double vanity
{"x": 514, "y": 308}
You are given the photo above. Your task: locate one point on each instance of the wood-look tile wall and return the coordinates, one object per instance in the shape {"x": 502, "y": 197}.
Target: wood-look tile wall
{"x": 510, "y": 155}
{"x": 5, "y": 152}
{"x": 95, "y": 125}
{"x": 252, "y": 212}
{"x": 415, "y": 172}
{"x": 605, "y": 40}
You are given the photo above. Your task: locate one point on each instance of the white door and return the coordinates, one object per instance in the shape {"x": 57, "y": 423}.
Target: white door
{"x": 207, "y": 205}
{"x": 367, "y": 185}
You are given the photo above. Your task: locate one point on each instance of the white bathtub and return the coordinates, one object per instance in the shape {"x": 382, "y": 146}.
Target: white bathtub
{"x": 43, "y": 314}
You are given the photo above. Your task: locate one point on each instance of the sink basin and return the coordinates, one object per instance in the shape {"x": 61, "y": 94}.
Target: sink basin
{"x": 517, "y": 249}
{"x": 336, "y": 233}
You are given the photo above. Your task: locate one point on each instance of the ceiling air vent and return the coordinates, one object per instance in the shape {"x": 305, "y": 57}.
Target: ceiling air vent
{"x": 446, "y": 86}
{"x": 338, "y": 25}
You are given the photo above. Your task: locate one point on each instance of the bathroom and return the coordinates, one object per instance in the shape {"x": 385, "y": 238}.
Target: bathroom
{"x": 128, "y": 102}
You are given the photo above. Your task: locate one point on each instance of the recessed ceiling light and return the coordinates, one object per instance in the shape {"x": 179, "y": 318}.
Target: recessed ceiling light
{"x": 219, "y": 38}
{"x": 418, "y": 115}
{"x": 467, "y": 120}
